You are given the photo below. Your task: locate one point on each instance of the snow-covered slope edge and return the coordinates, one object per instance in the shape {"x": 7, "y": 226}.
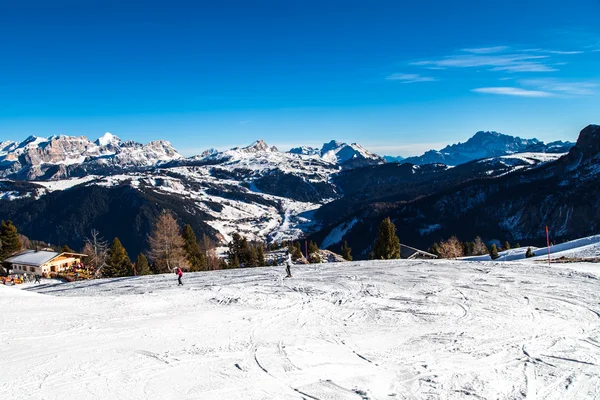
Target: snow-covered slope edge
{"x": 376, "y": 330}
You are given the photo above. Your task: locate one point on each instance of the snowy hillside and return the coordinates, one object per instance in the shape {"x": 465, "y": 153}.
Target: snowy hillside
{"x": 588, "y": 247}
{"x": 256, "y": 190}
{"x": 365, "y": 330}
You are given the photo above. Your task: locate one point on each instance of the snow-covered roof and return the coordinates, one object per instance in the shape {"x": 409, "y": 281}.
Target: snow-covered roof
{"x": 36, "y": 258}
{"x": 32, "y": 257}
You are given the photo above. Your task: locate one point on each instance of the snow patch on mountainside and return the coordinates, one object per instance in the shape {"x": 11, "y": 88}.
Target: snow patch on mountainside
{"x": 337, "y": 234}
{"x": 65, "y": 184}
{"x": 524, "y": 158}
{"x": 429, "y": 229}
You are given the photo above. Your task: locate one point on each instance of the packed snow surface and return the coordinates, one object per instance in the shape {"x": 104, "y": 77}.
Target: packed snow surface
{"x": 587, "y": 247}
{"x": 363, "y": 330}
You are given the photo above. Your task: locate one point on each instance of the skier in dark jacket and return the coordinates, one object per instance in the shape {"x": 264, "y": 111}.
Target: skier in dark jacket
{"x": 179, "y": 273}
{"x": 288, "y": 263}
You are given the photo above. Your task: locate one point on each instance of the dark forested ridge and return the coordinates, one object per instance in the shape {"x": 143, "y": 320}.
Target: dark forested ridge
{"x": 563, "y": 195}
{"x": 67, "y": 217}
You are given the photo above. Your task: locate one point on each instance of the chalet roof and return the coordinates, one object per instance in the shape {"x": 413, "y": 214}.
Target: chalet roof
{"x": 32, "y": 257}
{"x": 36, "y": 258}
{"x": 410, "y": 252}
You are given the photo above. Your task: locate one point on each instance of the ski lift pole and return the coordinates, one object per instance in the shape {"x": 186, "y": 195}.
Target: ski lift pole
{"x": 548, "y": 242}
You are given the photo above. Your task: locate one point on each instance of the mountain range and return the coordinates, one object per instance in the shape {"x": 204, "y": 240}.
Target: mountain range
{"x": 58, "y": 189}
{"x": 486, "y": 145}
{"x": 478, "y": 198}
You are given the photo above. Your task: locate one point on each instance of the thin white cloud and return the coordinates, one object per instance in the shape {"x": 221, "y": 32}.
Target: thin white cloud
{"x": 562, "y": 87}
{"x": 561, "y": 52}
{"x": 513, "y": 91}
{"x": 486, "y": 50}
{"x": 409, "y": 78}
{"x": 515, "y": 62}
{"x": 525, "y": 67}
{"x": 556, "y": 52}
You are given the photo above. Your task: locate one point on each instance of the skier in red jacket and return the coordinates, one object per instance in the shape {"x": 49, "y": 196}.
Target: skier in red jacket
{"x": 179, "y": 273}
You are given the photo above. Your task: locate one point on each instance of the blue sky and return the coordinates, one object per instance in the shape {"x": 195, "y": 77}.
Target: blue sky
{"x": 399, "y": 77}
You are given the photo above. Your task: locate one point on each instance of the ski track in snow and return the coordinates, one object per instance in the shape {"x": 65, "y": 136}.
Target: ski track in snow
{"x": 361, "y": 330}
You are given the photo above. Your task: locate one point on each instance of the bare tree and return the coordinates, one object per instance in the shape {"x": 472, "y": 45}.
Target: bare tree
{"x": 96, "y": 249}
{"x": 451, "y": 248}
{"x": 480, "y": 248}
{"x": 209, "y": 248}
{"x": 166, "y": 244}
{"x": 25, "y": 242}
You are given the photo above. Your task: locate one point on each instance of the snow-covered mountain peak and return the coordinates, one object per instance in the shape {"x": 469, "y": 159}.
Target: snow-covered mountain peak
{"x": 161, "y": 150}
{"x": 258, "y": 146}
{"x": 32, "y": 141}
{"x": 331, "y": 145}
{"x": 343, "y": 153}
{"x": 106, "y": 139}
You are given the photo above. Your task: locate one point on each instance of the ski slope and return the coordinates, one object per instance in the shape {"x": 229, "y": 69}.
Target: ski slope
{"x": 587, "y": 247}
{"x": 361, "y": 330}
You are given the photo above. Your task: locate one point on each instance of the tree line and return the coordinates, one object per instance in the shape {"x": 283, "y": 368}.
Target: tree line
{"x": 168, "y": 247}
{"x": 454, "y": 248}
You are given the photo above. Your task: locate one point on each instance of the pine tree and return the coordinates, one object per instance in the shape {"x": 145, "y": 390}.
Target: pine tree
{"x": 494, "y": 252}
{"x": 294, "y": 249}
{"x": 480, "y": 247}
{"x": 241, "y": 254}
{"x": 387, "y": 245}
{"x": 234, "y": 262}
{"x": 195, "y": 257}
{"x": 260, "y": 253}
{"x": 141, "y": 265}
{"x": 518, "y": 246}
{"x": 314, "y": 257}
{"x": 252, "y": 257}
{"x": 117, "y": 261}
{"x": 66, "y": 249}
{"x": 297, "y": 251}
{"x": 435, "y": 249}
{"x": 346, "y": 251}
{"x": 468, "y": 248}
{"x": 506, "y": 245}
{"x": 9, "y": 240}
{"x": 166, "y": 245}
